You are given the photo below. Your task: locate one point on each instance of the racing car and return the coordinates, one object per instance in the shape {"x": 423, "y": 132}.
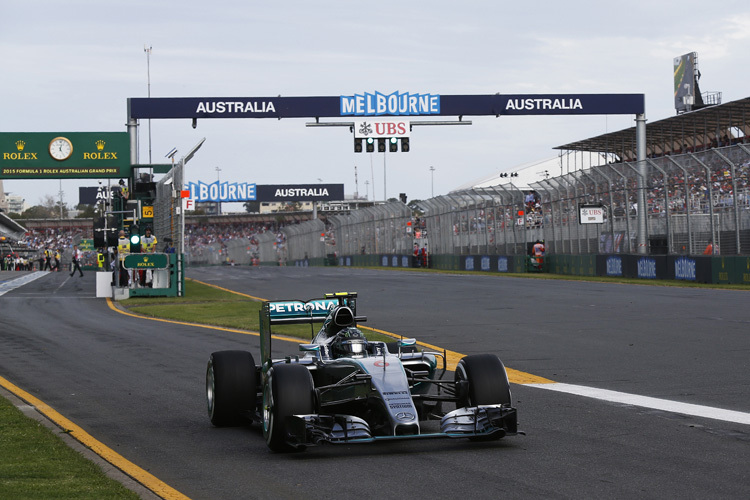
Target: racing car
{"x": 343, "y": 388}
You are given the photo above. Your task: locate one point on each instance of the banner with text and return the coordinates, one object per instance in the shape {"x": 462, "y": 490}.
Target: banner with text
{"x": 237, "y": 191}
{"x": 33, "y": 155}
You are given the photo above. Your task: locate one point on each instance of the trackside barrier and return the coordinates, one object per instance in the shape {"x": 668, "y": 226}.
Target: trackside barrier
{"x": 700, "y": 269}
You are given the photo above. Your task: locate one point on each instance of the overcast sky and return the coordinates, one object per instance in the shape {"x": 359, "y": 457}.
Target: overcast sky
{"x": 70, "y": 66}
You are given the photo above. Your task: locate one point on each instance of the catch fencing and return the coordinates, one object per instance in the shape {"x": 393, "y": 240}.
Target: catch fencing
{"x": 691, "y": 199}
{"x": 167, "y": 206}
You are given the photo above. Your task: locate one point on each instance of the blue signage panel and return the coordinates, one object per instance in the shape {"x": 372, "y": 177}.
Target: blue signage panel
{"x": 502, "y": 264}
{"x": 614, "y": 266}
{"x": 221, "y": 191}
{"x": 647, "y": 268}
{"x": 385, "y": 104}
{"x": 239, "y": 191}
{"x": 684, "y": 268}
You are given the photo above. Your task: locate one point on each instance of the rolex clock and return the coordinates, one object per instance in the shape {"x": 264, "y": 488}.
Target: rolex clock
{"x": 60, "y": 148}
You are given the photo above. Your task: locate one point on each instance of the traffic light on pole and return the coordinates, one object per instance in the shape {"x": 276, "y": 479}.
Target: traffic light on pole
{"x": 370, "y": 144}
{"x": 381, "y": 145}
{"x": 404, "y": 144}
{"x": 135, "y": 240}
{"x": 357, "y": 145}
{"x": 393, "y": 145}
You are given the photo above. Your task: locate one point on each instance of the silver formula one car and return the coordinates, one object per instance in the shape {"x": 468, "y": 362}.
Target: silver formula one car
{"x": 345, "y": 389}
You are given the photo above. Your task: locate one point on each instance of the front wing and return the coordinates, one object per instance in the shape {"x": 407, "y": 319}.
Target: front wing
{"x": 482, "y": 422}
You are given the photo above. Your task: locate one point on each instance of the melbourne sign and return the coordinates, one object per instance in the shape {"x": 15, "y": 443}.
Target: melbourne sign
{"x": 234, "y": 191}
{"x": 395, "y": 104}
{"x": 222, "y": 191}
{"x": 32, "y": 155}
{"x": 684, "y": 269}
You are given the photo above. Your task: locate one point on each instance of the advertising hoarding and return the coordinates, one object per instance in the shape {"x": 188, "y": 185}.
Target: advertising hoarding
{"x": 35, "y": 155}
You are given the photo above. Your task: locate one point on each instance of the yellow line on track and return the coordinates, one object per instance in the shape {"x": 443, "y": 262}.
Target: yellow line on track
{"x": 225, "y": 289}
{"x": 148, "y": 480}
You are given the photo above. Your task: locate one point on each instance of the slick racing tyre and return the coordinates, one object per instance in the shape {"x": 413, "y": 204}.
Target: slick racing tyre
{"x": 481, "y": 380}
{"x": 230, "y": 387}
{"x": 288, "y": 391}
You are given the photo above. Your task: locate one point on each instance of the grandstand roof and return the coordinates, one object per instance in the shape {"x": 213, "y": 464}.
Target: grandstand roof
{"x": 687, "y": 130}
{"x": 9, "y": 227}
{"x": 522, "y": 176}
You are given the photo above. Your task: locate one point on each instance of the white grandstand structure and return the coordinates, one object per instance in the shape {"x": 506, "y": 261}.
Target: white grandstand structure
{"x": 523, "y": 175}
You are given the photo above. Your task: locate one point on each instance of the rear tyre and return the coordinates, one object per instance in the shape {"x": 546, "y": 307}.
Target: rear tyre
{"x": 288, "y": 391}
{"x": 231, "y": 387}
{"x": 481, "y": 380}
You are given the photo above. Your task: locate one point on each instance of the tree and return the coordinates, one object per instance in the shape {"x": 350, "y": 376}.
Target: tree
{"x": 252, "y": 207}
{"x": 37, "y": 212}
{"x": 86, "y": 211}
{"x": 53, "y": 205}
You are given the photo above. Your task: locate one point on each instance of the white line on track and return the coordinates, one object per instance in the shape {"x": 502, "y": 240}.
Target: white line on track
{"x": 648, "y": 402}
{"x": 10, "y": 285}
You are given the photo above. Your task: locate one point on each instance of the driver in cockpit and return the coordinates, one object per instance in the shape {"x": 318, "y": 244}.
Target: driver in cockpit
{"x": 340, "y": 334}
{"x": 339, "y": 318}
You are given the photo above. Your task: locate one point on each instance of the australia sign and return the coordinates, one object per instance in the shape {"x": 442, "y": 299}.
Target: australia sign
{"x": 385, "y": 104}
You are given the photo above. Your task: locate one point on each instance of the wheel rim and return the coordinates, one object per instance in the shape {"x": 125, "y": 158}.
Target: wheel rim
{"x": 268, "y": 409}
{"x": 461, "y": 376}
{"x": 210, "y": 389}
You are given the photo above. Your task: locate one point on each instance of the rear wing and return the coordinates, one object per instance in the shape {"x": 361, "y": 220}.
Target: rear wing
{"x": 291, "y": 312}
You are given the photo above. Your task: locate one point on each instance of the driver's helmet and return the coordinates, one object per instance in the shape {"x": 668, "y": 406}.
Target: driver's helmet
{"x": 350, "y": 342}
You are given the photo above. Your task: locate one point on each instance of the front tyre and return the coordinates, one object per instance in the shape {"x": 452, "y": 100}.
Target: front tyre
{"x": 231, "y": 387}
{"x": 481, "y": 380}
{"x": 288, "y": 391}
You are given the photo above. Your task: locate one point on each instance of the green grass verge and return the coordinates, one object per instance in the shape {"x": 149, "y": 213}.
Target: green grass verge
{"x": 35, "y": 463}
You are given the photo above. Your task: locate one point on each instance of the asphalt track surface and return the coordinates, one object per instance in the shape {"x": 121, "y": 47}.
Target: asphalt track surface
{"x": 137, "y": 386}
